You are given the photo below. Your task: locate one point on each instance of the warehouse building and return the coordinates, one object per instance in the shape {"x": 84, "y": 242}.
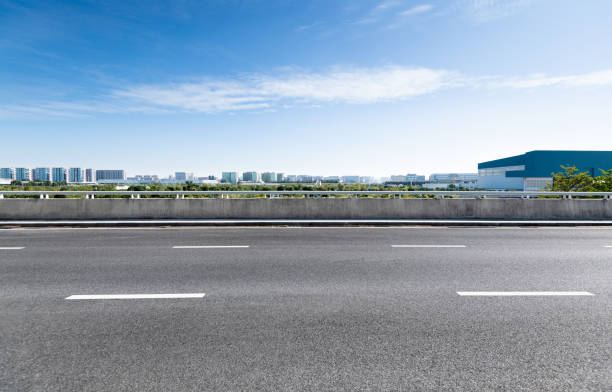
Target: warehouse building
{"x": 533, "y": 170}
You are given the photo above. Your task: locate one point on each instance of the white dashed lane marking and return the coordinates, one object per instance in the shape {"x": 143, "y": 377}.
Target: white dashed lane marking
{"x": 136, "y": 296}
{"x": 522, "y": 293}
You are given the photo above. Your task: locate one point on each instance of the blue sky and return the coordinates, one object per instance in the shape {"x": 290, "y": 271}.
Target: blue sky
{"x": 317, "y": 87}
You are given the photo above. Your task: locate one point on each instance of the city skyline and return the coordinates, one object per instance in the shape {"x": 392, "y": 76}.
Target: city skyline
{"x": 170, "y": 174}
{"x": 187, "y": 175}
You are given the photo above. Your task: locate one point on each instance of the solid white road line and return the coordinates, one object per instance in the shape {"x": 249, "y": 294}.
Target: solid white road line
{"x": 11, "y": 247}
{"x": 608, "y": 246}
{"x": 208, "y": 246}
{"x": 428, "y": 246}
{"x": 137, "y": 296}
{"x": 522, "y": 293}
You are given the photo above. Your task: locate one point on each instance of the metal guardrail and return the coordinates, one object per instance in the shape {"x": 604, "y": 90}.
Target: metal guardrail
{"x": 278, "y": 194}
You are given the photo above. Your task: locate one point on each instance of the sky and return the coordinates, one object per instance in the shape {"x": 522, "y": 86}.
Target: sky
{"x": 301, "y": 87}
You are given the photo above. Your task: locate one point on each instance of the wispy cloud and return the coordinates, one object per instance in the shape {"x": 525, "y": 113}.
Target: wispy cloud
{"x": 488, "y": 10}
{"x": 377, "y": 13}
{"x": 419, "y": 9}
{"x": 387, "y": 5}
{"x": 592, "y": 79}
{"x": 309, "y": 26}
{"x": 360, "y": 85}
{"x": 294, "y": 88}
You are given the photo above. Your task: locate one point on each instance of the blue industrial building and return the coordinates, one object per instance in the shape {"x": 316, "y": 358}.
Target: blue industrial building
{"x": 533, "y": 170}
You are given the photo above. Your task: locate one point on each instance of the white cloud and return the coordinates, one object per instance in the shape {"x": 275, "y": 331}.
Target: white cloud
{"x": 388, "y": 4}
{"x": 487, "y": 10}
{"x": 360, "y": 85}
{"x": 597, "y": 78}
{"x": 419, "y": 9}
{"x": 294, "y": 88}
{"x": 377, "y": 13}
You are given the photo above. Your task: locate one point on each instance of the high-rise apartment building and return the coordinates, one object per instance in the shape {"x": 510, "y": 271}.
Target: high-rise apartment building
{"x": 7, "y": 173}
{"x": 250, "y": 176}
{"x": 229, "y": 177}
{"x": 184, "y": 176}
{"x": 110, "y": 175}
{"x": 23, "y": 174}
{"x": 280, "y": 177}
{"x": 59, "y": 174}
{"x": 41, "y": 174}
{"x": 76, "y": 174}
{"x": 90, "y": 175}
{"x": 268, "y": 177}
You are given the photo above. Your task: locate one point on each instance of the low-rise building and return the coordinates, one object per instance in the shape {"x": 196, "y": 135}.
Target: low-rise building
{"x": 350, "y": 179}
{"x": 331, "y": 179}
{"x": 305, "y": 178}
{"x": 407, "y": 179}
{"x": 143, "y": 179}
{"x": 533, "y": 170}
{"x": 110, "y": 176}
{"x": 453, "y": 178}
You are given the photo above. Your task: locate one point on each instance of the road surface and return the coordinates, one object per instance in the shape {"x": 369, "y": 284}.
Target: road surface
{"x": 299, "y": 309}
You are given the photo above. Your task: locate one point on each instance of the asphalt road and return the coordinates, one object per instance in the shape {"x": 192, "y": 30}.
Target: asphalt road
{"x": 306, "y": 309}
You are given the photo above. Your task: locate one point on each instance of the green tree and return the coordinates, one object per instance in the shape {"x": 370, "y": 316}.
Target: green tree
{"x": 603, "y": 183}
{"x": 572, "y": 180}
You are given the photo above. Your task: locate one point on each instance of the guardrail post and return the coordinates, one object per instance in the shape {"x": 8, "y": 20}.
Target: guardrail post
{"x": 46, "y": 196}
{"x": 182, "y": 196}
{"x": 138, "y": 196}
{"x": 93, "y": 196}
{"x": 42, "y": 196}
{"x": 1, "y": 196}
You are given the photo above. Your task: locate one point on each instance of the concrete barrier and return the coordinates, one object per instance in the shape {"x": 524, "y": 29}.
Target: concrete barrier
{"x": 309, "y": 208}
